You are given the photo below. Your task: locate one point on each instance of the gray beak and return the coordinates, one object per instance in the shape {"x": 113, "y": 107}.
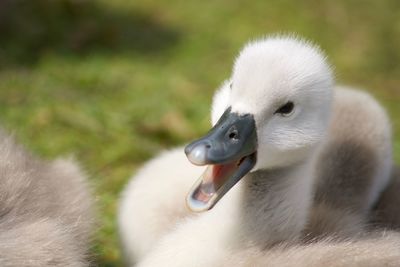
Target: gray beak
{"x": 229, "y": 150}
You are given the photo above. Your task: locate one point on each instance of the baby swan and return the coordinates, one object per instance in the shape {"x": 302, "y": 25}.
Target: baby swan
{"x": 45, "y": 210}
{"x": 273, "y": 125}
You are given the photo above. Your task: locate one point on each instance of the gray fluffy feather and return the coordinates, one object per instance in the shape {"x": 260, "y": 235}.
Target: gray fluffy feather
{"x": 45, "y": 210}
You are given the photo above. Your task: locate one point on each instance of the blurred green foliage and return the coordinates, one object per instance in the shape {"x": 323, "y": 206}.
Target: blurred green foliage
{"x": 114, "y": 82}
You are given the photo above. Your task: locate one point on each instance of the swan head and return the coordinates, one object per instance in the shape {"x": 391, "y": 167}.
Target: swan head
{"x": 271, "y": 113}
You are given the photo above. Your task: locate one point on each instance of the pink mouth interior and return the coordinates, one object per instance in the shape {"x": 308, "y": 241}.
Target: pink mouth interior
{"x": 212, "y": 180}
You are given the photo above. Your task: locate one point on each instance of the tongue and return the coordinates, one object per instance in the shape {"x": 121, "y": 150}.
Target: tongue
{"x": 212, "y": 180}
{"x": 217, "y": 174}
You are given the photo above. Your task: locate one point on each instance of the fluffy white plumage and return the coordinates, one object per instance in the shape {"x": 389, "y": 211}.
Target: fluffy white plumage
{"x": 272, "y": 203}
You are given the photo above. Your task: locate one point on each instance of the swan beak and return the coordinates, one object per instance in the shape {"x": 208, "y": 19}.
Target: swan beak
{"x": 229, "y": 151}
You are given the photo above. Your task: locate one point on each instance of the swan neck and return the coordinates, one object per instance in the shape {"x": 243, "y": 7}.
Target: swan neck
{"x": 275, "y": 203}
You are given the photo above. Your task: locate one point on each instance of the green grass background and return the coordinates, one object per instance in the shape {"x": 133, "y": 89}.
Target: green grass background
{"x": 114, "y": 82}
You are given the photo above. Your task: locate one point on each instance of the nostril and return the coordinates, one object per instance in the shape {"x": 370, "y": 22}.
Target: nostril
{"x": 208, "y": 146}
{"x": 233, "y": 134}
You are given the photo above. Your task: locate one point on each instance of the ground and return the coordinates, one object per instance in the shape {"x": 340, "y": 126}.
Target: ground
{"x": 115, "y": 82}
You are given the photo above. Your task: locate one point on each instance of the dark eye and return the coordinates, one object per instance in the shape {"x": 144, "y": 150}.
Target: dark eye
{"x": 285, "y": 109}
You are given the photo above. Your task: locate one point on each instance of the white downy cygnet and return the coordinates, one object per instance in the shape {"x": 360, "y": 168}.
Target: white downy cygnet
{"x": 280, "y": 132}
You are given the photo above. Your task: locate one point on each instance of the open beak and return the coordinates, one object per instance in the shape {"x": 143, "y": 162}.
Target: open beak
{"x": 229, "y": 150}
